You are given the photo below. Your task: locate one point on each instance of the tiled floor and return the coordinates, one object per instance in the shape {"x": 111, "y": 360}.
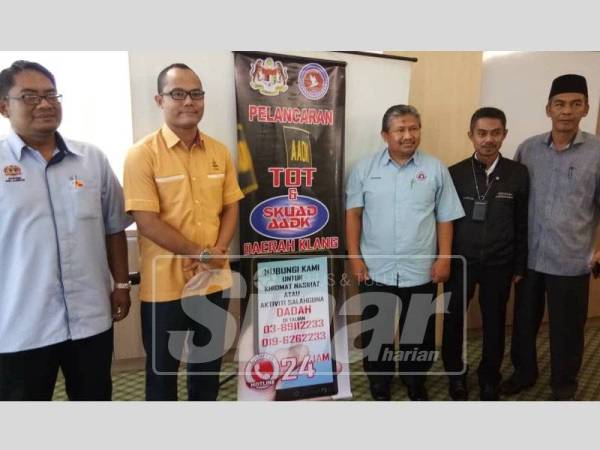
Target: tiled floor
{"x": 129, "y": 385}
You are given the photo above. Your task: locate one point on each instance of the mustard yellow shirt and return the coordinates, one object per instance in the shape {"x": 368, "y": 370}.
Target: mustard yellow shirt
{"x": 187, "y": 188}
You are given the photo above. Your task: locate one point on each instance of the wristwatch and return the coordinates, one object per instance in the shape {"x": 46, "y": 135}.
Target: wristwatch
{"x": 123, "y": 286}
{"x": 205, "y": 255}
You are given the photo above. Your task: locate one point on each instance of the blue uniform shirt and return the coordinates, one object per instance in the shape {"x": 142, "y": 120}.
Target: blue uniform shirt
{"x": 401, "y": 206}
{"x": 54, "y": 272}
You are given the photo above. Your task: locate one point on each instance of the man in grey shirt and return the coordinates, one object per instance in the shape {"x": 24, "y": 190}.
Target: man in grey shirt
{"x": 564, "y": 209}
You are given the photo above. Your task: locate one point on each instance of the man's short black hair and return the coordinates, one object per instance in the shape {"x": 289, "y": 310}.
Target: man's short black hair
{"x": 488, "y": 112}
{"x": 398, "y": 111}
{"x": 160, "y": 83}
{"x": 7, "y": 76}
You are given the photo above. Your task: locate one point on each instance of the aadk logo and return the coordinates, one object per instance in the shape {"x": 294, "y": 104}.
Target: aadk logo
{"x": 313, "y": 81}
{"x": 420, "y": 176}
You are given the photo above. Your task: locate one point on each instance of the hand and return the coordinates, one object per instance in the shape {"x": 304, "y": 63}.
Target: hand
{"x": 218, "y": 258}
{"x": 359, "y": 269}
{"x": 190, "y": 268}
{"x": 120, "y": 304}
{"x": 246, "y": 353}
{"x": 595, "y": 264}
{"x": 440, "y": 270}
{"x": 517, "y": 278}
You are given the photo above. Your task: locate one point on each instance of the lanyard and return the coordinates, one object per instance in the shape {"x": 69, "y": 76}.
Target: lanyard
{"x": 479, "y": 196}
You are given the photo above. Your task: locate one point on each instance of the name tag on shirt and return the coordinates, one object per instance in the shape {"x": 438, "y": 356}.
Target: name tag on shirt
{"x": 505, "y": 195}
{"x": 479, "y": 211}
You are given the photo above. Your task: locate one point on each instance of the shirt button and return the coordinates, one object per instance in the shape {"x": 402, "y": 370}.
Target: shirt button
{"x": 194, "y": 178}
{"x": 197, "y": 202}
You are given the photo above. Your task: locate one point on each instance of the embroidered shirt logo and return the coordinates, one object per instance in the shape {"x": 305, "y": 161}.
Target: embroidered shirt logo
{"x": 77, "y": 182}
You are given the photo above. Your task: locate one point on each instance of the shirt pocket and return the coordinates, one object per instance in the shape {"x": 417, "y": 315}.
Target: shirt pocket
{"x": 375, "y": 189}
{"x": 423, "y": 195}
{"x": 87, "y": 199}
{"x": 215, "y": 180}
{"x": 214, "y": 186}
{"x": 503, "y": 208}
{"x": 579, "y": 184}
{"x": 171, "y": 189}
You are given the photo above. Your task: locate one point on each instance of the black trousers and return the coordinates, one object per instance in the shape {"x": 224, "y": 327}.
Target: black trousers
{"x": 85, "y": 363}
{"x": 567, "y": 312}
{"x": 416, "y": 330}
{"x": 166, "y": 327}
{"x": 494, "y": 291}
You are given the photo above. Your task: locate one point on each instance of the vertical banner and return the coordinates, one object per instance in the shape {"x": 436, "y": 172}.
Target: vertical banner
{"x": 290, "y": 113}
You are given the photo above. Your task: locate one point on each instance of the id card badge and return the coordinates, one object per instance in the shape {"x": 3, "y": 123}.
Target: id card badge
{"x": 479, "y": 211}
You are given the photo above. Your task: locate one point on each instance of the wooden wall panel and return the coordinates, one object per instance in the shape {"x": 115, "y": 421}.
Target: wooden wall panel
{"x": 445, "y": 87}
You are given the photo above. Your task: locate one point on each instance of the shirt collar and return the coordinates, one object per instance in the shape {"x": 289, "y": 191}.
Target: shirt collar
{"x": 17, "y": 145}
{"x": 579, "y": 139}
{"x": 482, "y": 165}
{"x": 171, "y": 139}
{"x": 62, "y": 146}
{"x": 387, "y": 159}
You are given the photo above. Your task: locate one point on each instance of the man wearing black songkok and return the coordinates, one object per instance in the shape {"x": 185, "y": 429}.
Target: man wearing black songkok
{"x": 564, "y": 210}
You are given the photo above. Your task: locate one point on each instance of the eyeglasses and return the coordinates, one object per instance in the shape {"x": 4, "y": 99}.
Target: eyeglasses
{"x": 180, "y": 94}
{"x": 34, "y": 99}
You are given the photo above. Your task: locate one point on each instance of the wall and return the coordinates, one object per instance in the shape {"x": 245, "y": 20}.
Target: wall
{"x": 94, "y": 99}
{"x": 519, "y": 82}
{"x": 445, "y": 88}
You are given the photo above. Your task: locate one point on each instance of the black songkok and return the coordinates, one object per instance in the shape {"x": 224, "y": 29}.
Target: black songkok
{"x": 568, "y": 83}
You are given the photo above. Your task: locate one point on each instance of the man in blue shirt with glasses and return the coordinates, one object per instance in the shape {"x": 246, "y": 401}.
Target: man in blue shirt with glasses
{"x": 61, "y": 238}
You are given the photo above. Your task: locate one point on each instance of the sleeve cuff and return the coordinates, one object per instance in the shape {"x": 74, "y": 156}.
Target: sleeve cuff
{"x": 450, "y": 217}
{"x": 116, "y": 226}
{"x": 142, "y": 205}
{"x": 354, "y": 203}
{"x": 232, "y": 197}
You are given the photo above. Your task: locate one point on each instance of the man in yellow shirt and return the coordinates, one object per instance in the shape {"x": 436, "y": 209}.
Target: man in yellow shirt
{"x": 181, "y": 188}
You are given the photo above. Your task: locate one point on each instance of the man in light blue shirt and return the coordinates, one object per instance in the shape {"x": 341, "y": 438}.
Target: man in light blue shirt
{"x": 61, "y": 237}
{"x": 400, "y": 204}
